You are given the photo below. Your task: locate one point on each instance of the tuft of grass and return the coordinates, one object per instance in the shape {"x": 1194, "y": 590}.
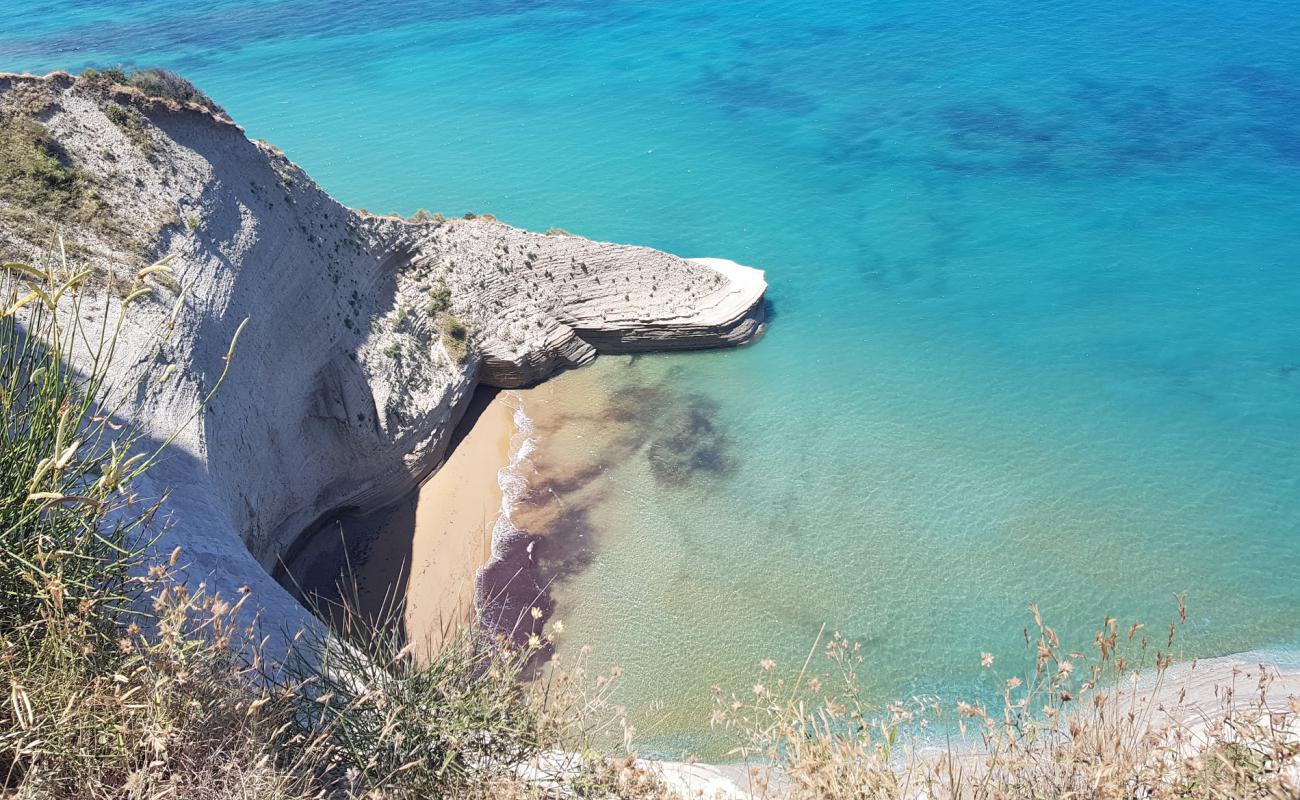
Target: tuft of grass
{"x": 106, "y": 697}
{"x": 61, "y": 466}
{"x": 400, "y": 726}
{"x": 381, "y": 717}
{"x": 38, "y": 175}
{"x": 117, "y": 114}
{"x": 133, "y": 124}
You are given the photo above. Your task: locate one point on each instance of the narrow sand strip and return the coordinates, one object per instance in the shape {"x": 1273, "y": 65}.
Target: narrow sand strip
{"x": 455, "y": 511}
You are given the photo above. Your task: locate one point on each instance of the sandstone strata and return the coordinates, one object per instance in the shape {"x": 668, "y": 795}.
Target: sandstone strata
{"x": 365, "y": 335}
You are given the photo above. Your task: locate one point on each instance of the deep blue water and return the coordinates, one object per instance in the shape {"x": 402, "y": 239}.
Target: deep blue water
{"x": 1035, "y": 271}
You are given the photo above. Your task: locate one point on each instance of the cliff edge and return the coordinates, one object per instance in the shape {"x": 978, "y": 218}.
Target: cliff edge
{"x": 365, "y": 335}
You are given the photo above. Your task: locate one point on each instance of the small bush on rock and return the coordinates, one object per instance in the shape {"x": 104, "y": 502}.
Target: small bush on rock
{"x": 455, "y": 337}
{"x": 439, "y": 300}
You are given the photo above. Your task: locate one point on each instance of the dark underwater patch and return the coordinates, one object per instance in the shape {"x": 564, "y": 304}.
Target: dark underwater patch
{"x": 677, "y": 432}
{"x": 1085, "y": 127}
{"x": 994, "y": 125}
{"x": 1272, "y": 102}
{"x": 1117, "y": 128}
{"x": 745, "y": 89}
{"x": 691, "y": 445}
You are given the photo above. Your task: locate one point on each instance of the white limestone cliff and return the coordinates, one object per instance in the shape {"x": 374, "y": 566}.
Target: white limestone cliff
{"x": 365, "y": 335}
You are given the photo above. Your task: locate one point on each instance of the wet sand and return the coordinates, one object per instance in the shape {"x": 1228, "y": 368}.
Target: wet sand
{"x": 553, "y": 489}
{"x": 581, "y": 425}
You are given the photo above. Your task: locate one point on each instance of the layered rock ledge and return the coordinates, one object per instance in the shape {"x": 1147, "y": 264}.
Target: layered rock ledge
{"x": 365, "y": 336}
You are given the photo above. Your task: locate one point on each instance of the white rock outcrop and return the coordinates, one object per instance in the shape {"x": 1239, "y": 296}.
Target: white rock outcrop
{"x": 365, "y": 335}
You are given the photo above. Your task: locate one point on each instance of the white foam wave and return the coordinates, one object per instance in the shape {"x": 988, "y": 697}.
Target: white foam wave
{"x": 513, "y": 477}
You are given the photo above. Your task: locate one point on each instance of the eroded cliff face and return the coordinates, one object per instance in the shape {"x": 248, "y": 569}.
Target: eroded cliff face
{"x": 365, "y": 335}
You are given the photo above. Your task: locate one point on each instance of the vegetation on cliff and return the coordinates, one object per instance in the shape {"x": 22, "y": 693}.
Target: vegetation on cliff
{"x": 154, "y": 82}
{"x": 37, "y": 175}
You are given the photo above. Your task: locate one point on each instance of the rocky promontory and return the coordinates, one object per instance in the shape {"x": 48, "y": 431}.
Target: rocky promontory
{"x": 363, "y": 336}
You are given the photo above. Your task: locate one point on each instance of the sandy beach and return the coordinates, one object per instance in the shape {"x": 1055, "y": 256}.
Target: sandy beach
{"x": 442, "y": 535}
{"x": 454, "y": 514}
{"x": 429, "y": 547}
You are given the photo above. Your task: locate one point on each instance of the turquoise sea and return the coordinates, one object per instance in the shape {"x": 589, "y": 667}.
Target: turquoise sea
{"x": 1035, "y": 279}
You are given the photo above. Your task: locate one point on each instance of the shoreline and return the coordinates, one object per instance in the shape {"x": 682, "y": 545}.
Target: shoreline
{"x": 507, "y": 582}
{"x": 550, "y": 490}
{"x": 553, "y": 498}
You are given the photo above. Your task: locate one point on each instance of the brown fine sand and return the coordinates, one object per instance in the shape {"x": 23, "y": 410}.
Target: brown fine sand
{"x": 455, "y": 511}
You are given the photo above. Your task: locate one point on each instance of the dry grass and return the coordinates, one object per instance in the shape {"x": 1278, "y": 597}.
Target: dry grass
{"x": 38, "y": 176}
{"x": 1082, "y": 724}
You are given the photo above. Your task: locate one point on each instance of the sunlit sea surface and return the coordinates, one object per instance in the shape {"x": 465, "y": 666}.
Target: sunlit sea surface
{"x": 1035, "y": 275}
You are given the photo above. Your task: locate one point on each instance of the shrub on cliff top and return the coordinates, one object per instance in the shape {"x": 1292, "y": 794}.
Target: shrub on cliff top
{"x": 155, "y": 82}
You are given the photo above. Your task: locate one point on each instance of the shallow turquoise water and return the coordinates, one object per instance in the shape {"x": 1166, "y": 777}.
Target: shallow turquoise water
{"x": 1035, "y": 271}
